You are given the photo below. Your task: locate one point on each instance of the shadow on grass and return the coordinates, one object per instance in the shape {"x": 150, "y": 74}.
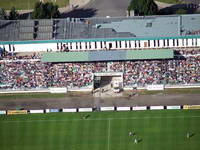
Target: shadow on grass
{"x": 192, "y": 134}
{"x": 140, "y": 140}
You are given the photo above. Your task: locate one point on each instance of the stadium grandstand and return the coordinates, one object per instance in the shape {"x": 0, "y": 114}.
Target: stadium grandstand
{"x": 100, "y": 33}
{"x": 88, "y": 52}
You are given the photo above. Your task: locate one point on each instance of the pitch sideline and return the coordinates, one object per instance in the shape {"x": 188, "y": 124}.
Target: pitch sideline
{"x": 102, "y": 119}
{"x": 108, "y": 134}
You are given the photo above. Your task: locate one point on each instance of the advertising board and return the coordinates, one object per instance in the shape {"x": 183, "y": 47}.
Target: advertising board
{"x": 140, "y": 108}
{"x": 85, "y": 109}
{"x": 2, "y": 112}
{"x": 54, "y": 110}
{"x": 173, "y": 107}
{"x": 58, "y": 90}
{"x": 69, "y": 110}
{"x": 107, "y": 108}
{"x": 191, "y": 107}
{"x": 123, "y": 108}
{"x": 156, "y": 107}
{"x": 159, "y": 87}
{"x": 16, "y": 112}
{"x": 36, "y": 111}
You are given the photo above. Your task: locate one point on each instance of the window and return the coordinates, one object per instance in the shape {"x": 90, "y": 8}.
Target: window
{"x": 116, "y": 44}
{"x": 86, "y": 47}
{"x": 145, "y": 44}
{"x": 110, "y": 45}
{"x": 89, "y": 45}
{"x": 125, "y": 44}
{"x": 195, "y": 42}
{"x": 70, "y": 45}
{"x": 177, "y": 42}
{"x": 154, "y": 43}
{"x": 95, "y": 45}
{"x": 105, "y": 45}
{"x": 57, "y": 46}
{"x": 139, "y": 43}
{"x": 61, "y": 46}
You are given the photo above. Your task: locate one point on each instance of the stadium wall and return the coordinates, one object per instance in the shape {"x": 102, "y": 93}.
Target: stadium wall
{"x": 24, "y": 91}
{"x": 49, "y": 90}
{"x": 90, "y": 88}
{"x": 162, "y": 87}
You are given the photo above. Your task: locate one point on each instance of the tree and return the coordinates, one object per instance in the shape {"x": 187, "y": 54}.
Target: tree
{"x": 45, "y": 11}
{"x": 13, "y": 15}
{"x": 143, "y": 7}
{"x": 2, "y": 14}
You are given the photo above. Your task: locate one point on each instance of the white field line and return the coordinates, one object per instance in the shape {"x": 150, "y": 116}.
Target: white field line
{"x": 101, "y": 119}
{"x": 108, "y": 134}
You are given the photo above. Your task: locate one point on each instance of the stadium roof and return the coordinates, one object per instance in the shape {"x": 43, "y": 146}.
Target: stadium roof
{"x": 100, "y": 28}
{"x": 93, "y": 56}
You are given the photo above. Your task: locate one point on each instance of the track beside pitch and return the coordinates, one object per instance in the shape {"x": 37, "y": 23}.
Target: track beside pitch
{"x": 155, "y": 130}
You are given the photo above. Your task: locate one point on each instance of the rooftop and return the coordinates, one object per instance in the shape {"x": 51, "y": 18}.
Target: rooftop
{"x": 94, "y": 28}
{"x": 115, "y": 55}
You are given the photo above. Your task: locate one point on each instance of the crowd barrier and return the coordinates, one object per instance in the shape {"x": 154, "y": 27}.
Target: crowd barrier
{"x": 74, "y": 110}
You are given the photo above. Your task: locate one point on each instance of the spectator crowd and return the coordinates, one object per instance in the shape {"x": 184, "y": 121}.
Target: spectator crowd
{"x": 30, "y": 72}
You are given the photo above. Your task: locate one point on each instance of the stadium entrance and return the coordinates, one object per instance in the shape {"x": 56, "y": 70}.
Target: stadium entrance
{"x": 107, "y": 84}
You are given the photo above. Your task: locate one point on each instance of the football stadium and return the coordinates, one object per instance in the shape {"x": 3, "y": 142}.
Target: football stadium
{"x": 104, "y": 57}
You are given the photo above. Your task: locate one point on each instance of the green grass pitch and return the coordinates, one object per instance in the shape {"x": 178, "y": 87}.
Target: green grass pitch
{"x": 156, "y": 130}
